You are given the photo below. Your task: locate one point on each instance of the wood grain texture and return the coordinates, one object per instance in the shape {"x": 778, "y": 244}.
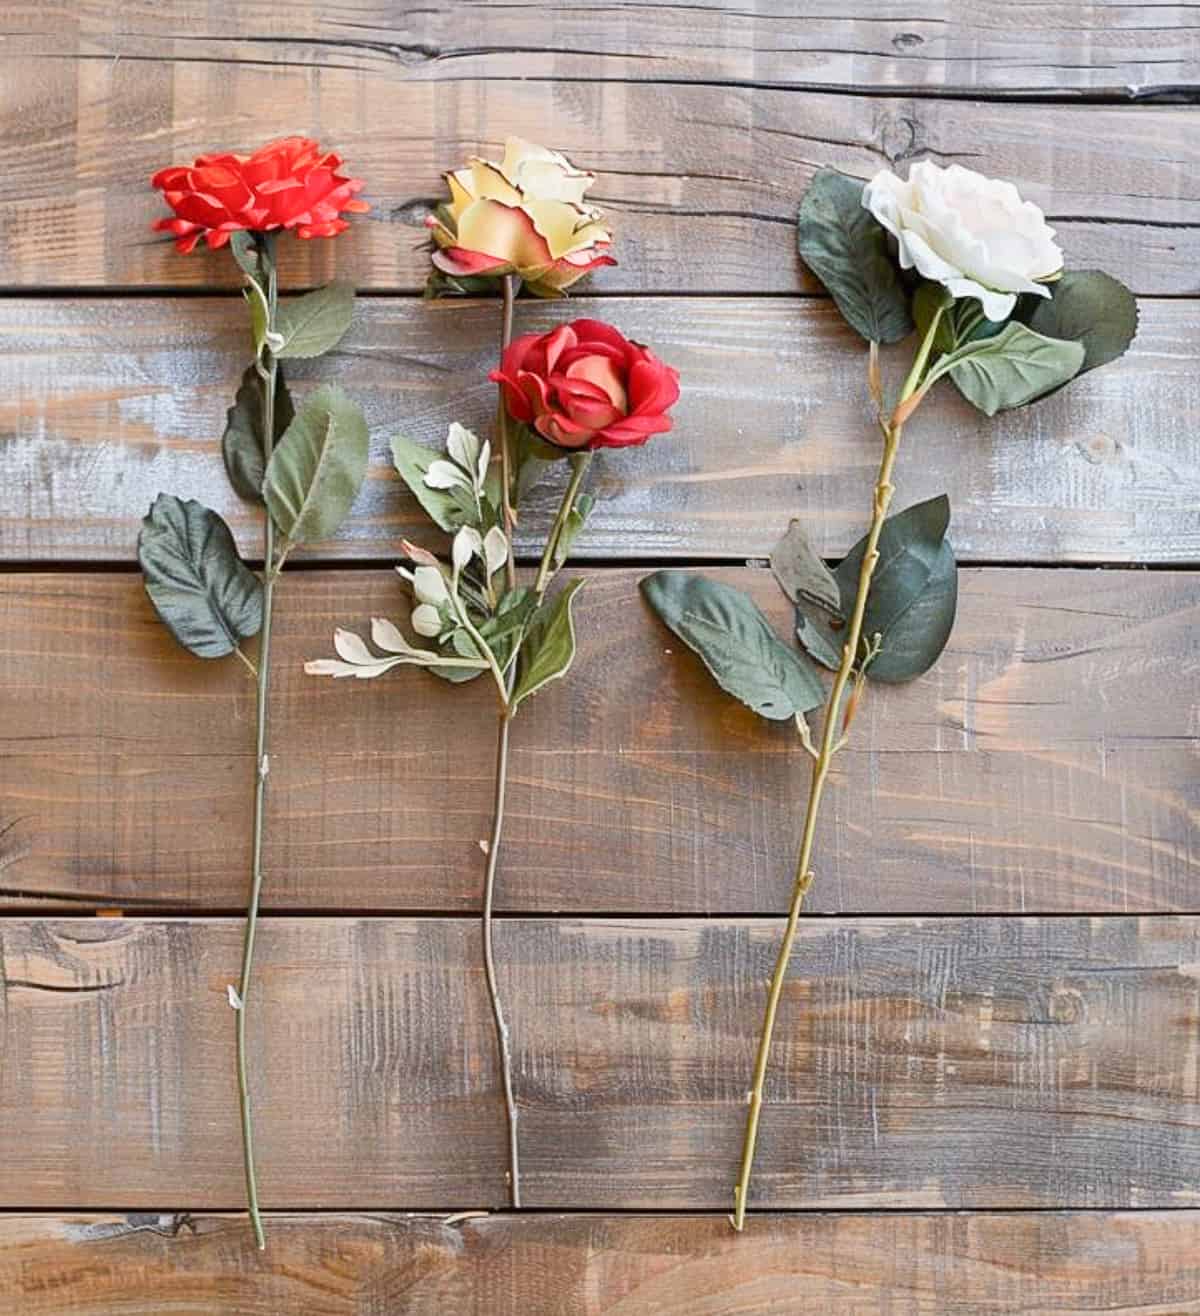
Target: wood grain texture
{"x": 105, "y": 403}
{"x": 1126, "y": 49}
{"x": 1049, "y": 762}
{"x": 702, "y": 181}
{"x": 920, "y": 1063}
{"x": 381, "y": 1265}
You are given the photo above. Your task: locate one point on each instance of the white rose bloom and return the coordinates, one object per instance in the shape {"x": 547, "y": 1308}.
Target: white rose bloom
{"x": 970, "y": 233}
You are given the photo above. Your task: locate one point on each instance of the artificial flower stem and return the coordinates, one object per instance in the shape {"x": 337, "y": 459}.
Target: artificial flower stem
{"x": 831, "y": 742}
{"x": 579, "y": 468}
{"x": 268, "y": 368}
{"x": 503, "y": 1041}
{"x": 509, "y": 285}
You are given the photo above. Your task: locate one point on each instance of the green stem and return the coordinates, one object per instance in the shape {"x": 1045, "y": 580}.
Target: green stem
{"x": 507, "y": 511}
{"x": 579, "y": 468}
{"x": 503, "y": 1040}
{"x": 269, "y": 372}
{"x": 831, "y": 742}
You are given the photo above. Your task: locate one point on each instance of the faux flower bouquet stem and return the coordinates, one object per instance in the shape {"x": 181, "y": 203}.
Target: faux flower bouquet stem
{"x": 302, "y": 467}
{"x": 267, "y": 368}
{"x": 833, "y": 738}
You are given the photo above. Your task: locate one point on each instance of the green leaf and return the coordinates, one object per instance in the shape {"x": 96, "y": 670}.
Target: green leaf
{"x": 735, "y": 642}
{"x": 549, "y": 645}
{"x": 914, "y": 640}
{"x": 318, "y": 468}
{"x": 1009, "y": 369}
{"x": 847, "y": 249}
{"x": 310, "y": 325}
{"x": 206, "y": 596}
{"x": 243, "y": 246}
{"x": 241, "y": 444}
{"x": 801, "y": 573}
{"x": 449, "y": 509}
{"x": 576, "y": 520}
{"x": 912, "y": 600}
{"x": 1092, "y": 308}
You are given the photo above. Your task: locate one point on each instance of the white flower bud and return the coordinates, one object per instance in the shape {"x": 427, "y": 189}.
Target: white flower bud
{"x": 429, "y": 586}
{"x": 466, "y": 545}
{"x": 495, "y": 549}
{"x": 427, "y": 621}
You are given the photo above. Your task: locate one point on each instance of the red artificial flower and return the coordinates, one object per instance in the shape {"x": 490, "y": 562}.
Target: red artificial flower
{"x": 290, "y": 184}
{"x": 585, "y": 385}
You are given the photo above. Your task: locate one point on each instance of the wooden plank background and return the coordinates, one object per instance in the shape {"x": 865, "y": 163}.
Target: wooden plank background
{"x": 985, "y": 1095}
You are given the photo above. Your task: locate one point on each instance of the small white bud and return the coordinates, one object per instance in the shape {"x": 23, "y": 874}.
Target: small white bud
{"x": 427, "y": 620}
{"x": 429, "y": 586}
{"x": 495, "y": 549}
{"x": 235, "y": 1001}
{"x": 466, "y": 544}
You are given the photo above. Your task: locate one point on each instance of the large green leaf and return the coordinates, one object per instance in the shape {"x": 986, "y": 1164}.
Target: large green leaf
{"x": 207, "y": 597}
{"x": 1009, "y": 369}
{"x": 317, "y": 469}
{"x": 800, "y": 572}
{"x": 912, "y": 601}
{"x": 914, "y": 640}
{"x": 449, "y": 509}
{"x": 847, "y": 249}
{"x": 310, "y": 325}
{"x": 549, "y": 645}
{"x": 1091, "y": 308}
{"x": 735, "y": 642}
{"x": 241, "y": 444}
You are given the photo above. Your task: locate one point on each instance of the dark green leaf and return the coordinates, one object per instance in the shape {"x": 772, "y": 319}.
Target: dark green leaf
{"x": 310, "y": 325}
{"x": 915, "y": 639}
{"x": 207, "y": 597}
{"x": 576, "y": 520}
{"x": 241, "y": 444}
{"x": 1009, "y": 369}
{"x": 449, "y": 509}
{"x": 735, "y": 642}
{"x": 243, "y": 246}
{"x": 1092, "y": 308}
{"x": 912, "y": 599}
{"x": 549, "y": 645}
{"x": 847, "y": 249}
{"x": 800, "y": 571}
{"x": 318, "y": 468}
{"x": 818, "y": 640}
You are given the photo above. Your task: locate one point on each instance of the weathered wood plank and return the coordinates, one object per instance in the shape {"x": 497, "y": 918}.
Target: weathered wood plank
{"x": 1049, "y": 762}
{"x": 364, "y": 1265}
{"x": 964, "y": 1063}
{"x": 702, "y": 182}
{"x": 105, "y": 403}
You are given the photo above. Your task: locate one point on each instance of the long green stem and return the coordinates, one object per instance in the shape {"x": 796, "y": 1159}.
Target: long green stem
{"x": 269, "y": 372}
{"x": 507, "y": 511}
{"x": 832, "y": 739}
{"x": 503, "y": 1041}
{"x": 549, "y": 564}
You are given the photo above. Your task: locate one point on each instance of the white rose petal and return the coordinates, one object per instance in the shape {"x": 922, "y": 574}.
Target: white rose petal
{"x": 972, "y": 234}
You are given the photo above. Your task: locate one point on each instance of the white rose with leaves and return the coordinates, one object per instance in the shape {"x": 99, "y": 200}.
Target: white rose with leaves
{"x": 972, "y": 234}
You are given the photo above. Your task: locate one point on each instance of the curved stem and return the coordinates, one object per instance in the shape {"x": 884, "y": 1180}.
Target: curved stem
{"x": 832, "y": 740}
{"x": 547, "y": 568}
{"x": 489, "y": 960}
{"x": 269, "y": 371}
{"x": 507, "y": 511}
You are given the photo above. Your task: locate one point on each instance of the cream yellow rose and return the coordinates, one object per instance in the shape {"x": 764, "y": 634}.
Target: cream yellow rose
{"x": 525, "y": 216}
{"x": 970, "y": 233}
